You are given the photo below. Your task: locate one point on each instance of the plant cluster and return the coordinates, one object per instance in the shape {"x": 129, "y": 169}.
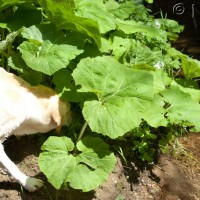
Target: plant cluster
{"x": 114, "y": 62}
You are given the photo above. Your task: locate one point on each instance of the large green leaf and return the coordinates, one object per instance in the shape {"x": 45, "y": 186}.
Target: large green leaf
{"x": 161, "y": 80}
{"x": 130, "y": 27}
{"x": 181, "y": 107}
{"x": 176, "y": 106}
{"x": 46, "y": 51}
{"x": 170, "y": 25}
{"x": 155, "y": 115}
{"x": 133, "y": 52}
{"x": 96, "y": 11}
{"x": 106, "y": 45}
{"x": 122, "y": 94}
{"x": 122, "y": 10}
{"x": 192, "y": 90}
{"x": 24, "y": 15}
{"x": 191, "y": 67}
{"x": 55, "y": 161}
{"x": 85, "y": 170}
{"x": 62, "y": 14}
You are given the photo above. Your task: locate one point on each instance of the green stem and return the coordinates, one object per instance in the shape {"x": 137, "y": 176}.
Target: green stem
{"x": 80, "y": 137}
{"x": 82, "y": 131}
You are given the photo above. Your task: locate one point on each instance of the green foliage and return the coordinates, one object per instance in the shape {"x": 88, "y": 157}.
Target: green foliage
{"x": 25, "y": 15}
{"x": 62, "y": 14}
{"x": 170, "y": 108}
{"x": 5, "y": 44}
{"x": 179, "y": 110}
{"x": 191, "y": 67}
{"x": 5, "y": 4}
{"x": 93, "y": 161}
{"x": 121, "y": 93}
{"x": 96, "y": 11}
{"x": 46, "y": 48}
{"x": 114, "y": 62}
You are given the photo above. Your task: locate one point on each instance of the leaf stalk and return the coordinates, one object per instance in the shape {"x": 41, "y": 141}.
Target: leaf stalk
{"x": 82, "y": 131}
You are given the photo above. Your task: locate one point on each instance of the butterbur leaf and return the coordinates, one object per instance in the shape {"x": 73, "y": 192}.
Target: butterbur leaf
{"x": 191, "y": 88}
{"x": 161, "y": 80}
{"x": 98, "y": 164}
{"x": 25, "y": 15}
{"x": 182, "y": 108}
{"x": 175, "y": 105}
{"x": 133, "y": 52}
{"x": 46, "y": 51}
{"x": 48, "y": 58}
{"x": 55, "y": 160}
{"x": 96, "y": 11}
{"x": 41, "y": 32}
{"x": 106, "y": 45}
{"x": 155, "y": 115}
{"x": 85, "y": 170}
{"x": 62, "y": 14}
{"x": 130, "y": 27}
{"x": 122, "y": 94}
{"x": 171, "y": 25}
{"x": 191, "y": 67}
{"x": 122, "y": 10}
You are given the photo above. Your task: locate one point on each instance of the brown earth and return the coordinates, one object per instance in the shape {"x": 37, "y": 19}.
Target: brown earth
{"x": 173, "y": 178}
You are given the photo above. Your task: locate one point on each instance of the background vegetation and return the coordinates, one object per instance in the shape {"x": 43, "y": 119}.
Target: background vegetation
{"x": 114, "y": 62}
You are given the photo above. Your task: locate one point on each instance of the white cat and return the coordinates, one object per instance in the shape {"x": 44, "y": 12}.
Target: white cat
{"x": 26, "y": 109}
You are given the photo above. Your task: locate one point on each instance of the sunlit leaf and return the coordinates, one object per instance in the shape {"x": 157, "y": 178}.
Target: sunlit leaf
{"x": 46, "y": 51}
{"x": 122, "y": 95}
{"x": 62, "y": 14}
{"x": 181, "y": 107}
{"x": 191, "y": 67}
{"x": 85, "y": 170}
{"x": 96, "y": 11}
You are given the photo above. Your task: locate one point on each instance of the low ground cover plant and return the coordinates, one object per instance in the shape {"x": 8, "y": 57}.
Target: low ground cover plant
{"x": 114, "y": 62}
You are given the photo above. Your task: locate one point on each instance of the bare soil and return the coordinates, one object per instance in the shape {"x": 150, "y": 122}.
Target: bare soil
{"x": 173, "y": 178}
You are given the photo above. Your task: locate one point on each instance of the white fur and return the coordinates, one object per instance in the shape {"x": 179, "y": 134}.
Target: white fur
{"x": 25, "y": 109}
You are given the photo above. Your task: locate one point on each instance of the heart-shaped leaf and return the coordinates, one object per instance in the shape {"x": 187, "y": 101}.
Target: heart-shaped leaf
{"x": 123, "y": 94}
{"x": 46, "y": 51}
{"x": 85, "y": 170}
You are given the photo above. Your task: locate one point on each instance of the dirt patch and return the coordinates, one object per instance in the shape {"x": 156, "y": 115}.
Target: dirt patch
{"x": 171, "y": 179}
